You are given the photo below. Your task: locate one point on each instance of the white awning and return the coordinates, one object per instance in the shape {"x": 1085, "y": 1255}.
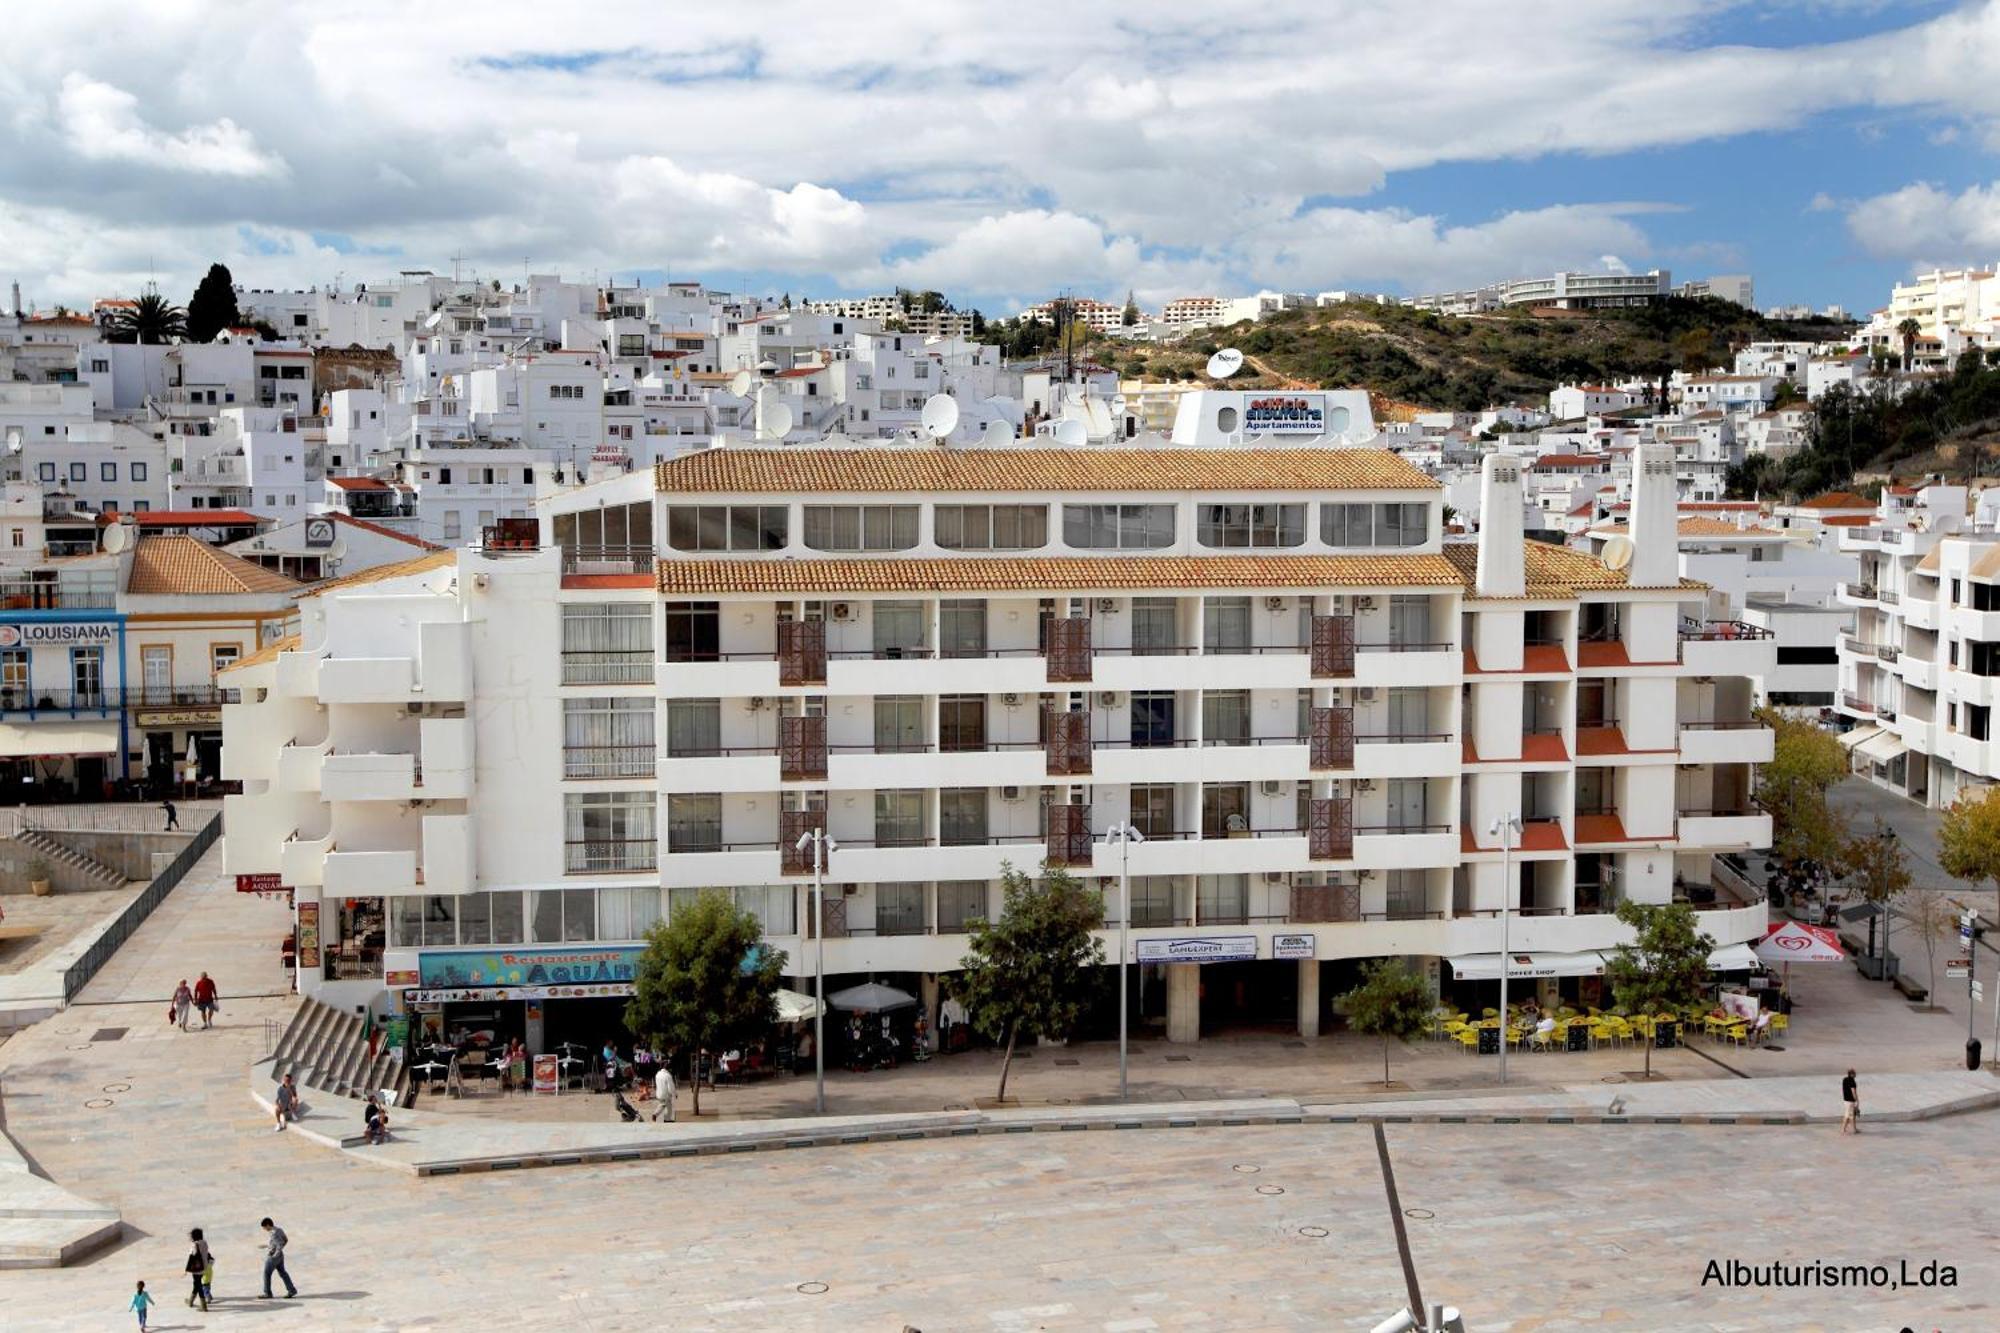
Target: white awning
{"x": 18, "y": 740}
{"x": 1486, "y": 966}
{"x": 1733, "y": 958}
{"x": 1881, "y": 749}
{"x": 1850, "y": 739}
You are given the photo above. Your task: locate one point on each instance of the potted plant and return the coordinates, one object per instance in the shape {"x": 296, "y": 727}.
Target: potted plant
{"x": 38, "y": 877}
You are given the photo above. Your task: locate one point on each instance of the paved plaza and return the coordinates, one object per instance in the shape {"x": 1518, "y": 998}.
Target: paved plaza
{"x": 1527, "y": 1226}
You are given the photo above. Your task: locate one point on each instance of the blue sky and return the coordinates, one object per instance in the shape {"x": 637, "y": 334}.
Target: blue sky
{"x": 1001, "y": 153}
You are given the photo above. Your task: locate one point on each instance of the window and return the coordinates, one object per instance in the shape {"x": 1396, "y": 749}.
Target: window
{"x": 611, "y": 738}
{"x": 991, "y": 527}
{"x": 1153, "y": 900}
{"x": 1225, "y": 809}
{"x": 1374, "y": 525}
{"x": 962, "y": 816}
{"x": 1409, "y": 621}
{"x": 960, "y": 902}
{"x": 899, "y": 723}
{"x": 20, "y": 536}
{"x": 608, "y": 643}
{"x": 46, "y": 471}
{"x": 1225, "y": 625}
{"x": 1093, "y": 527}
{"x": 138, "y": 471}
{"x": 1225, "y": 717}
{"x": 452, "y": 530}
{"x": 223, "y": 655}
{"x": 611, "y": 830}
{"x": 1153, "y": 809}
{"x": 1221, "y": 898}
{"x": 961, "y": 723}
{"x": 694, "y": 822}
{"x": 78, "y": 471}
{"x": 1243, "y": 525}
{"x": 631, "y": 344}
{"x": 13, "y": 675}
{"x": 86, "y": 674}
{"x": 1401, "y": 524}
{"x": 561, "y": 916}
{"x": 962, "y": 627}
{"x": 1408, "y": 895}
{"x": 107, "y": 472}
{"x": 626, "y": 914}
{"x": 1154, "y": 626}
{"x": 728, "y": 527}
{"x": 1410, "y": 715}
{"x": 899, "y": 629}
{"x": 1408, "y": 804}
{"x": 861, "y": 527}
{"x": 899, "y": 909}
{"x": 899, "y": 818}
{"x": 417, "y": 921}
{"x": 1152, "y": 718}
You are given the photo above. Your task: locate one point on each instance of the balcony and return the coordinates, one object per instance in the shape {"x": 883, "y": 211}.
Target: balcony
{"x": 367, "y": 680}
{"x": 370, "y": 874}
{"x": 1857, "y": 594}
{"x": 1741, "y": 828}
{"x": 1921, "y": 612}
{"x": 95, "y": 590}
{"x": 302, "y": 860}
{"x": 1852, "y": 703}
{"x": 449, "y": 855}
{"x": 298, "y": 674}
{"x": 18, "y": 705}
{"x": 1745, "y": 742}
{"x": 1727, "y": 648}
{"x": 368, "y": 777}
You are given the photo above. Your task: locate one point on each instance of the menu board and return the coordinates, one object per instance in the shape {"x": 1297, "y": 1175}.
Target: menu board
{"x": 546, "y": 1073}
{"x": 308, "y": 940}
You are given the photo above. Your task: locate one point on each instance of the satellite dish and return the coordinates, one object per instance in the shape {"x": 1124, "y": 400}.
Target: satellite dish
{"x": 436, "y": 318}
{"x": 116, "y": 538}
{"x": 740, "y": 382}
{"x": 1617, "y": 553}
{"x": 13, "y": 439}
{"x": 1069, "y": 433}
{"x": 997, "y": 433}
{"x": 338, "y": 551}
{"x": 940, "y": 416}
{"x": 1225, "y": 363}
{"x": 777, "y": 423}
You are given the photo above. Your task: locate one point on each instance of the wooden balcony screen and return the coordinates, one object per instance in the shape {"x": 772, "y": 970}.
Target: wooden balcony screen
{"x": 1330, "y": 834}
{"x": 802, "y": 652}
{"x": 1069, "y": 835}
{"x": 801, "y": 747}
{"x": 1332, "y": 647}
{"x": 1332, "y": 738}
{"x": 1069, "y": 649}
{"x": 1066, "y": 741}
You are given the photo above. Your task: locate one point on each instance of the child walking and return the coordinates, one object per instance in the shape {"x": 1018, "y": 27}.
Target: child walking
{"x": 140, "y": 1302}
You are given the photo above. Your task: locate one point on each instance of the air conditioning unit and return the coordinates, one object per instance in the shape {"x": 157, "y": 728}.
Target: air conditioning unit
{"x": 842, "y": 611}
{"x": 1010, "y": 701}
{"x": 1274, "y": 603}
{"x": 758, "y": 703}
{"x": 1107, "y": 699}
{"x": 1271, "y": 787}
{"x": 1106, "y": 605}
{"x": 1274, "y": 877}
{"x": 1010, "y": 793}
{"x": 1364, "y": 784}
{"x": 1366, "y": 694}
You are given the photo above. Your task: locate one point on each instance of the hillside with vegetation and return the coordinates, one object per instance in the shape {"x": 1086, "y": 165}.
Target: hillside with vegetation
{"x": 1445, "y": 361}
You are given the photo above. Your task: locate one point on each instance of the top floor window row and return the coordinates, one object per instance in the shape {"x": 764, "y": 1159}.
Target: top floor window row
{"x": 1402, "y": 524}
{"x": 728, "y": 527}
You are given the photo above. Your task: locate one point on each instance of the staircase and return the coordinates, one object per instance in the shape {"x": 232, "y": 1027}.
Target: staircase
{"x": 47, "y": 847}
{"x": 324, "y": 1048}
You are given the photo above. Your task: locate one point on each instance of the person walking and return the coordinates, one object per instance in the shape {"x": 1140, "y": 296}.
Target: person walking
{"x": 173, "y": 815}
{"x": 197, "y": 1267}
{"x": 142, "y": 1300}
{"x": 206, "y": 1286}
{"x": 204, "y": 1000}
{"x": 663, "y": 1093}
{"x": 274, "y": 1259}
{"x": 1850, "y": 1118}
{"x": 183, "y": 1001}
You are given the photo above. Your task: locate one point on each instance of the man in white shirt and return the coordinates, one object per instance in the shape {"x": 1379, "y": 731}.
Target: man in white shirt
{"x": 663, "y": 1094}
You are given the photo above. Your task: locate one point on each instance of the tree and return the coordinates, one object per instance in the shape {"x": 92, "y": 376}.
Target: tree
{"x": 1969, "y": 839}
{"x": 704, "y": 981}
{"x": 1934, "y": 919}
{"x": 150, "y": 319}
{"x": 1131, "y": 314}
{"x": 1665, "y": 967}
{"x": 1027, "y": 973}
{"x": 212, "y": 308}
{"x": 1909, "y": 331}
{"x": 1879, "y": 871}
{"x": 1391, "y": 1002}
{"x": 978, "y": 324}
{"x": 1806, "y": 834}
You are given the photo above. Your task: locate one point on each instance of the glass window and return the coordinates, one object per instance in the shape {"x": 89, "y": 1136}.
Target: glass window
{"x": 610, "y": 738}
{"x": 899, "y": 629}
{"x": 960, "y": 901}
{"x": 728, "y": 527}
{"x": 694, "y": 632}
{"x": 626, "y": 914}
{"x": 899, "y": 723}
{"x": 1401, "y": 524}
{"x": 1225, "y": 625}
{"x": 612, "y": 830}
{"x": 861, "y": 527}
{"x": 1222, "y": 898}
{"x": 1408, "y": 804}
{"x": 694, "y": 822}
{"x": 961, "y": 722}
{"x": 962, "y": 816}
{"x": 1408, "y": 894}
{"x": 138, "y": 471}
{"x": 991, "y": 527}
{"x": 607, "y": 643}
{"x": 1409, "y": 620}
{"x": 1110, "y": 527}
{"x": 1225, "y": 809}
{"x": 1225, "y": 717}
{"x": 1410, "y": 716}
{"x": 1347, "y": 524}
{"x": 561, "y": 916}
{"x": 1153, "y": 900}
{"x": 1247, "y": 525}
{"x": 475, "y": 923}
{"x": 694, "y": 728}
{"x": 1152, "y": 718}
{"x": 1154, "y": 626}
{"x": 899, "y": 909}
{"x": 962, "y": 627}
{"x": 1153, "y": 809}
{"x": 899, "y": 818}
{"x": 440, "y": 921}
{"x": 406, "y": 922}
{"x": 504, "y": 916}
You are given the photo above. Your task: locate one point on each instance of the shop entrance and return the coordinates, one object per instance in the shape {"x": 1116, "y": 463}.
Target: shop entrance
{"x": 1249, "y": 997}
{"x": 587, "y": 1022}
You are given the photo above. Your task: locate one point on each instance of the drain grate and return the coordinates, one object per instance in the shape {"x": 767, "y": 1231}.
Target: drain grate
{"x": 108, "y": 1034}
{"x": 1297, "y": 1045}
{"x": 1068, "y": 1064}
{"x": 1179, "y": 1059}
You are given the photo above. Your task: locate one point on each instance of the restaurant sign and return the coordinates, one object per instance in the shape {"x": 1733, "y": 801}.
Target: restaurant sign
{"x": 1201, "y": 949}
{"x": 260, "y": 883}
{"x": 530, "y": 967}
{"x": 178, "y": 717}
{"x": 66, "y": 632}
{"x": 609, "y": 990}
{"x": 1292, "y": 946}
{"x": 1284, "y": 414}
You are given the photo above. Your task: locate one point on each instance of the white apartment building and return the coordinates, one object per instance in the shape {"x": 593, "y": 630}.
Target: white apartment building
{"x": 1736, "y": 287}
{"x": 1574, "y": 402}
{"x": 1098, "y": 315}
{"x": 1191, "y": 312}
{"x": 1587, "y": 291}
{"x": 1943, "y": 301}
{"x": 483, "y": 766}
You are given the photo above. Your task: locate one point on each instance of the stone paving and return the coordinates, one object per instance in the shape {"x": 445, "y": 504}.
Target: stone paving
{"x": 61, "y": 916}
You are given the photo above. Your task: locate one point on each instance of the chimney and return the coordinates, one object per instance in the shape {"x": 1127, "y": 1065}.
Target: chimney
{"x": 1502, "y": 567}
{"x": 1655, "y": 526}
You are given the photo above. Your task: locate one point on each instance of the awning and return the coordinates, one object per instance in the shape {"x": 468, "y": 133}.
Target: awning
{"x": 21, "y": 739}
{"x": 1850, "y": 739}
{"x": 1733, "y": 958}
{"x": 1486, "y": 966}
{"x": 1881, "y": 749}
{"x": 794, "y": 1007}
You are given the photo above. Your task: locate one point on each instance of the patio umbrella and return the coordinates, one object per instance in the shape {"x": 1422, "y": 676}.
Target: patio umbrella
{"x": 1795, "y": 942}
{"x": 872, "y": 998}
{"x": 794, "y": 1007}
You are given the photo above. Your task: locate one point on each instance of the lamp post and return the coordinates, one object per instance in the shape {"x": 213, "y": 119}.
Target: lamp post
{"x": 1124, "y": 835}
{"x": 1507, "y": 828}
{"x": 822, "y": 847}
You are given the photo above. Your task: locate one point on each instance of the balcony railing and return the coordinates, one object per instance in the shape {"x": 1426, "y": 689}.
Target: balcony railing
{"x": 1864, "y": 591}
{"x": 1855, "y": 704}
{"x": 70, "y": 594}
{"x": 607, "y": 559}
{"x": 59, "y": 703}
{"x": 1710, "y": 630}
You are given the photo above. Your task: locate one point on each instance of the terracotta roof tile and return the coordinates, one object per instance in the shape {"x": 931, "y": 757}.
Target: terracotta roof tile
{"x": 1838, "y": 500}
{"x": 268, "y": 653}
{"x": 173, "y": 565}
{"x": 693, "y": 578}
{"x": 422, "y": 564}
{"x": 1554, "y": 572}
{"x": 929, "y": 469}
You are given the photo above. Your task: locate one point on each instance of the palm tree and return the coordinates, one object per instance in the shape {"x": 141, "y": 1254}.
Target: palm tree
{"x": 150, "y": 319}
{"x": 1908, "y": 331}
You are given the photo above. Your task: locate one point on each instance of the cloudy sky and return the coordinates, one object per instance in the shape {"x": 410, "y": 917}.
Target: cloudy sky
{"x": 999, "y": 151}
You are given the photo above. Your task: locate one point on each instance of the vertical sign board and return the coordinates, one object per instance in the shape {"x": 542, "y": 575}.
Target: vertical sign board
{"x": 308, "y": 941}
{"x": 546, "y": 1073}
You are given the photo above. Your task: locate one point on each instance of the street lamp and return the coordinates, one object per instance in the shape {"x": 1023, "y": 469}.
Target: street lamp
{"x": 1507, "y": 828}
{"x": 822, "y": 847}
{"x": 1124, "y": 835}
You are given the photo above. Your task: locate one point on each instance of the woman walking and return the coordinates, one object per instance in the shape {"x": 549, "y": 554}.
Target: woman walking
{"x": 183, "y": 1001}
{"x": 201, "y": 1268}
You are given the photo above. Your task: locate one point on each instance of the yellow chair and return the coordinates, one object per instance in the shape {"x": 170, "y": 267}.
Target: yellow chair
{"x": 1469, "y": 1039}
{"x": 1780, "y": 1024}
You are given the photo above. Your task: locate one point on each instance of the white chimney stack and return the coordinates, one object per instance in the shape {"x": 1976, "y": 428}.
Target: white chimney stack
{"x": 1655, "y": 526}
{"x": 1502, "y": 566}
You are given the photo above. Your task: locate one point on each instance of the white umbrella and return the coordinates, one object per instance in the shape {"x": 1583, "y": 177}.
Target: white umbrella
{"x": 872, "y": 998}
{"x": 794, "y": 1007}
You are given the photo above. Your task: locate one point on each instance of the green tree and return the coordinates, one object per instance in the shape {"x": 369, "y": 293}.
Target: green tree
{"x": 1028, "y": 972}
{"x": 1909, "y": 331}
{"x": 1131, "y": 314}
{"x": 150, "y": 319}
{"x": 212, "y": 308}
{"x": 1879, "y": 870}
{"x": 978, "y": 324}
{"x": 1935, "y": 920}
{"x": 1969, "y": 839}
{"x": 1391, "y": 1002}
{"x": 705, "y": 981}
{"x": 1665, "y": 966}
{"x": 1806, "y": 834}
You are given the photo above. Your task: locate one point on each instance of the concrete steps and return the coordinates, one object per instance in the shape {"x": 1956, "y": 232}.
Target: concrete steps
{"x": 43, "y": 1225}
{"x": 47, "y": 846}
{"x": 327, "y": 1050}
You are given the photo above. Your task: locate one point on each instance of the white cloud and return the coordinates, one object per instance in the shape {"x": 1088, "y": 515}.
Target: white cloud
{"x": 103, "y": 123}
{"x": 1927, "y": 225}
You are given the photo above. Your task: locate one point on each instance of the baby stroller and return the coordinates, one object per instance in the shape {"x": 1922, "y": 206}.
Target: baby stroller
{"x": 626, "y": 1111}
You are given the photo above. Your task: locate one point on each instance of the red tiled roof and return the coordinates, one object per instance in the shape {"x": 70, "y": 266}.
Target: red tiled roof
{"x": 1837, "y": 500}
{"x": 848, "y": 471}
{"x": 196, "y": 518}
{"x": 358, "y": 483}
{"x": 380, "y": 531}
{"x": 178, "y": 565}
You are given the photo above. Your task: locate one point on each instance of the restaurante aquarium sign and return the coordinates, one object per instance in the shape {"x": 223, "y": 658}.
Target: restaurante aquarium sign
{"x": 528, "y": 967}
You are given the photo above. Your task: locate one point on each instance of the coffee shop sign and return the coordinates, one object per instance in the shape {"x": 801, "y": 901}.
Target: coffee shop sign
{"x": 63, "y": 632}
